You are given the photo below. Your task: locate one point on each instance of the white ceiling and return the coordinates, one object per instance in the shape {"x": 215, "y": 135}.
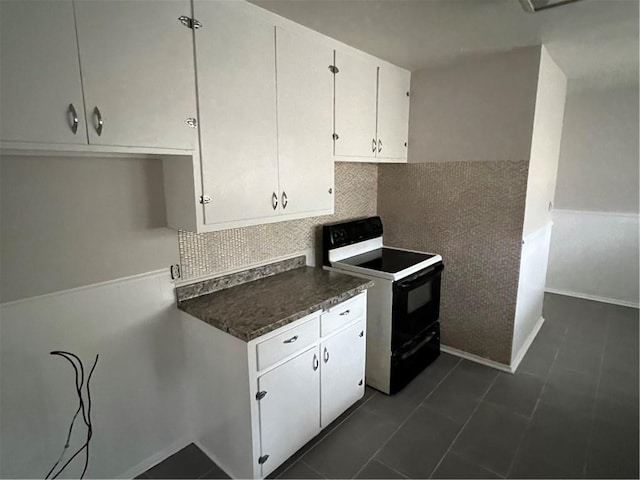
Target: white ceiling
{"x": 595, "y": 41}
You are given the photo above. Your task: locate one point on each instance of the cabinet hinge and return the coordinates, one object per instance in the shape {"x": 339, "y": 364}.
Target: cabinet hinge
{"x": 204, "y": 199}
{"x": 333, "y": 69}
{"x": 190, "y": 22}
{"x": 260, "y": 395}
{"x": 262, "y": 459}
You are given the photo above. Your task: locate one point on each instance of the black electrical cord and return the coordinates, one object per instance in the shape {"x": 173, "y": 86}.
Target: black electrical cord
{"x": 86, "y": 412}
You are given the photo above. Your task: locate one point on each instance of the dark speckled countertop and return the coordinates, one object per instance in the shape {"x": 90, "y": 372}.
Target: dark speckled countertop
{"x": 252, "y": 309}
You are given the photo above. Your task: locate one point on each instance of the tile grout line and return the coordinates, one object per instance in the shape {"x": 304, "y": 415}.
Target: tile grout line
{"x": 388, "y": 466}
{"x": 327, "y": 434}
{"x": 535, "y": 408}
{"x": 408, "y": 417}
{"x": 310, "y": 467}
{"x": 595, "y": 399}
{"x": 462, "y": 428}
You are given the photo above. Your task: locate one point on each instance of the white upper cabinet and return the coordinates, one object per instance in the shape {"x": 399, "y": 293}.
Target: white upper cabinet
{"x": 355, "y": 106}
{"x": 371, "y": 110}
{"x": 235, "y": 54}
{"x": 305, "y": 123}
{"x": 40, "y": 85}
{"x": 393, "y": 112}
{"x": 138, "y": 72}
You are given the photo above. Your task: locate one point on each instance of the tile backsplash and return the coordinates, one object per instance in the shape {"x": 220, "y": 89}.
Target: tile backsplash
{"x": 206, "y": 254}
{"x": 472, "y": 214}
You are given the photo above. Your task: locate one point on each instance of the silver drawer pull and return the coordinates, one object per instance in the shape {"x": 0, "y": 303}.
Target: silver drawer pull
{"x": 99, "y": 123}
{"x": 326, "y": 355}
{"x": 291, "y": 340}
{"x": 346, "y": 312}
{"x": 316, "y": 363}
{"x": 361, "y": 334}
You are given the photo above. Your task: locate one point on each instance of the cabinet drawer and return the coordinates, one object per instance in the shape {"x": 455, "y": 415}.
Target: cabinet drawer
{"x": 288, "y": 342}
{"x": 343, "y": 313}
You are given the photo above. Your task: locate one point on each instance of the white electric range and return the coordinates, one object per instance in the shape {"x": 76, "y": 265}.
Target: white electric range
{"x": 403, "y": 307}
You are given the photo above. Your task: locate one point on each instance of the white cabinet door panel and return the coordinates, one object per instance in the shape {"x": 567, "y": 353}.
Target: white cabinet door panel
{"x": 289, "y": 412}
{"x": 355, "y": 106}
{"x": 393, "y": 112}
{"x": 39, "y": 73}
{"x": 342, "y": 371}
{"x": 235, "y": 57}
{"x": 138, "y": 69}
{"x": 305, "y": 123}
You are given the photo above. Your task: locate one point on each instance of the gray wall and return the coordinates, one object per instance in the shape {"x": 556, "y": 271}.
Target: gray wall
{"x": 73, "y": 221}
{"x": 598, "y": 168}
{"x": 479, "y": 108}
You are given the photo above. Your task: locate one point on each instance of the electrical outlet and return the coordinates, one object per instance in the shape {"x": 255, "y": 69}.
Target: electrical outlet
{"x": 175, "y": 272}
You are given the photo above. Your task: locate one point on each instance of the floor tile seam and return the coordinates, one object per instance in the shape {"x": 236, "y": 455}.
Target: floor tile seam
{"x": 593, "y": 406}
{"x": 332, "y": 430}
{"x": 521, "y": 415}
{"x": 489, "y": 469}
{"x": 463, "y": 427}
{"x": 535, "y": 409}
{"x": 407, "y": 418}
{"x": 309, "y": 466}
{"x": 388, "y": 466}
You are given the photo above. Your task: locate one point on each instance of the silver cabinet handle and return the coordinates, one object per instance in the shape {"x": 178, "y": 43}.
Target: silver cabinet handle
{"x": 74, "y": 118}
{"x": 346, "y": 312}
{"x": 361, "y": 333}
{"x": 316, "y": 363}
{"x": 274, "y": 200}
{"x": 379, "y": 146}
{"x": 291, "y": 340}
{"x": 373, "y": 145}
{"x": 326, "y": 355}
{"x": 99, "y": 122}
{"x": 285, "y": 200}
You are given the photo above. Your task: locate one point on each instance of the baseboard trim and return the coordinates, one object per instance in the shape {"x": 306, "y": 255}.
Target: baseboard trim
{"x": 586, "y": 296}
{"x": 475, "y": 358}
{"x": 515, "y": 362}
{"x": 156, "y": 458}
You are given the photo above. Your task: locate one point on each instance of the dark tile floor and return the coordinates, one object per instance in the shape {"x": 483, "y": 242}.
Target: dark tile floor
{"x": 571, "y": 411}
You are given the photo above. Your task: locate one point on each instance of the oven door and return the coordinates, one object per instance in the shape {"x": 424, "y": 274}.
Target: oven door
{"x": 416, "y": 305}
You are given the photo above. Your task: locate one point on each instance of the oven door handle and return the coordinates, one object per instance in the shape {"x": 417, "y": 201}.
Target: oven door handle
{"x": 421, "y": 278}
{"x": 411, "y": 352}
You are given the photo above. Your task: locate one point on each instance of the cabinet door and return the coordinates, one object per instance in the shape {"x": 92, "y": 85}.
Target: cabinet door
{"x": 235, "y": 57}
{"x": 289, "y": 412}
{"x": 393, "y": 112}
{"x": 342, "y": 372}
{"x": 138, "y": 70}
{"x": 40, "y": 73}
{"x": 305, "y": 123}
{"x": 355, "y": 106}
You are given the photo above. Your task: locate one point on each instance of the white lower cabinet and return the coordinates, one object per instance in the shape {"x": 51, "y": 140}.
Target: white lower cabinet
{"x": 342, "y": 371}
{"x": 256, "y": 403}
{"x": 290, "y": 408}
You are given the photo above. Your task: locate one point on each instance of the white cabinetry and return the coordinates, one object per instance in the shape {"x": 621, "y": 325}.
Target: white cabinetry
{"x": 355, "y": 106}
{"x": 266, "y": 123}
{"x": 371, "y": 110}
{"x": 40, "y": 73}
{"x": 342, "y": 372}
{"x": 132, "y": 84}
{"x": 235, "y": 54}
{"x": 138, "y": 73}
{"x": 305, "y": 123}
{"x": 393, "y": 112}
{"x": 290, "y": 408}
{"x": 256, "y": 403}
